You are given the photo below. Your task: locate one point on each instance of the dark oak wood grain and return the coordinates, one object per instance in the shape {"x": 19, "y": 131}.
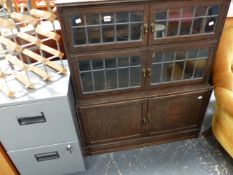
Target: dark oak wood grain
{"x": 152, "y": 113}
{"x": 144, "y": 141}
{"x": 149, "y": 9}
{"x": 113, "y": 122}
{"x": 176, "y": 111}
{"x": 117, "y": 125}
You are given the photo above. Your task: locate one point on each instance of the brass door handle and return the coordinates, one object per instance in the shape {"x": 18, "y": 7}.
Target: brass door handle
{"x": 144, "y": 72}
{"x": 145, "y": 28}
{"x": 149, "y": 71}
{"x": 144, "y": 120}
{"x": 149, "y": 117}
{"x": 152, "y": 25}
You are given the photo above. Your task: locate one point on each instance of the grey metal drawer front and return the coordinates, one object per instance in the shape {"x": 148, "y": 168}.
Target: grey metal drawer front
{"x": 36, "y": 124}
{"x": 51, "y": 160}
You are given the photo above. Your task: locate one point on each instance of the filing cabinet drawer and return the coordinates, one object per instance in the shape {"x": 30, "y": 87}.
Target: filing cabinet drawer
{"x": 58, "y": 159}
{"x": 37, "y": 124}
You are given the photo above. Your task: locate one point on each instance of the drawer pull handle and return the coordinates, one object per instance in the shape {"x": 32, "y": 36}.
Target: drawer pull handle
{"x": 47, "y": 156}
{"x": 32, "y": 120}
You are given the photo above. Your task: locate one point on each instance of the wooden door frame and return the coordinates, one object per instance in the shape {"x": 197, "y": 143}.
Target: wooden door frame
{"x": 178, "y": 4}
{"x": 209, "y": 44}
{"x": 109, "y": 54}
{"x": 67, "y": 13}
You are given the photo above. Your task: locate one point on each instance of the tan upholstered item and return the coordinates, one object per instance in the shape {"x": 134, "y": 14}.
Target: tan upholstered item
{"x": 6, "y": 166}
{"x": 223, "y": 82}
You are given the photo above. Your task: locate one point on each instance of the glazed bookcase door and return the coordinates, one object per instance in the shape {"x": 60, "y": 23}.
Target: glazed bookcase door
{"x": 180, "y": 64}
{"x": 109, "y": 72}
{"x": 108, "y": 26}
{"x": 185, "y": 21}
{"x": 113, "y": 122}
{"x": 176, "y": 112}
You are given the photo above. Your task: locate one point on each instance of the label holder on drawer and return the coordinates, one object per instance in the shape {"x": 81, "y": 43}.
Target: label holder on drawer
{"x": 32, "y": 120}
{"x": 47, "y": 156}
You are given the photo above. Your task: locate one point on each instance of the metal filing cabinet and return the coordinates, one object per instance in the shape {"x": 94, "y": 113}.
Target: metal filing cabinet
{"x": 39, "y": 130}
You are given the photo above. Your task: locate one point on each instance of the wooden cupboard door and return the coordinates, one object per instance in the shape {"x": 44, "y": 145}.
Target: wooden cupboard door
{"x": 105, "y": 27}
{"x": 177, "y": 112}
{"x": 182, "y": 21}
{"x": 113, "y": 122}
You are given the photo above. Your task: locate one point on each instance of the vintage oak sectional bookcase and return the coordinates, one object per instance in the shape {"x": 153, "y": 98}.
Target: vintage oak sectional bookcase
{"x": 141, "y": 69}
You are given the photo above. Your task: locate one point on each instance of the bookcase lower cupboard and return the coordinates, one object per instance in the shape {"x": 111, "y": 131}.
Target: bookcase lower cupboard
{"x": 143, "y": 121}
{"x": 140, "y": 69}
